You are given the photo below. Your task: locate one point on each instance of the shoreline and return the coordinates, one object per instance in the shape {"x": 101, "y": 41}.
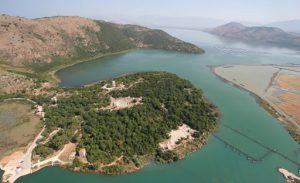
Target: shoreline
{"x": 183, "y": 149}
{"x": 188, "y": 148}
{"x": 50, "y": 74}
{"x": 289, "y": 176}
{"x": 24, "y": 158}
{"x": 265, "y": 104}
{"x": 53, "y": 72}
{"x": 17, "y": 163}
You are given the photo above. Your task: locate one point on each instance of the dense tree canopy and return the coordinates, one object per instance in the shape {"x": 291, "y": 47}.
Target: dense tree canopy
{"x": 167, "y": 102}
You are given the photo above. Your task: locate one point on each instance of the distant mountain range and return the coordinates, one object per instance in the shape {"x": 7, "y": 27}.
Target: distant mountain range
{"x": 177, "y": 22}
{"x": 290, "y": 26}
{"x": 259, "y": 34}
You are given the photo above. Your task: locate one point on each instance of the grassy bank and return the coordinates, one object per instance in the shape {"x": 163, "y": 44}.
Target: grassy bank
{"x": 51, "y": 72}
{"x": 18, "y": 124}
{"x": 48, "y": 72}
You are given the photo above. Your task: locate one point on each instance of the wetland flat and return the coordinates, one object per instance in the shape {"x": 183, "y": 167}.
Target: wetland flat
{"x": 18, "y": 124}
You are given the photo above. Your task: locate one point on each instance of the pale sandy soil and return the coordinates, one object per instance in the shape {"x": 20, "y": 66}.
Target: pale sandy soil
{"x": 119, "y": 86}
{"x": 114, "y": 86}
{"x": 289, "y": 82}
{"x": 182, "y": 132}
{"x": 254, "y": 78}
{"x": 61, "y": 157}
{"x": 14, "y": 155}
{"x": 19, "y": 163}
{"x": 122, "y": 103}
{"x": 279, "y": 85}
{"x": 290, "y": 104}
{"x": 18, "y": 166}
{"x": 66, "y": 153}
{"x": 290, "y": 177}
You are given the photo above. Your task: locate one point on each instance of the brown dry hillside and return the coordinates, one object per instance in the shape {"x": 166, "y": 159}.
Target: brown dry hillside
{"x": 25, "y": 42}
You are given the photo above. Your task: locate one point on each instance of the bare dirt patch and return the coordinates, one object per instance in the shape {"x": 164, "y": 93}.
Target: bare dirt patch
{"x": 290, "y": 104}
{"x": 114, "y": 86}
{"x": 14, "y": 155}
{"x": 290, "y": 95}
{"x": 68, "y": 151}
{"x": 289, "y": 82}
{"x": 175, "y": 136}
{"x": 281, "y": 97}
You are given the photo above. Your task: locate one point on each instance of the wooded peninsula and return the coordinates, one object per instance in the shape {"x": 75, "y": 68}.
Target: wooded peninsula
{"x": 117, "y": 126}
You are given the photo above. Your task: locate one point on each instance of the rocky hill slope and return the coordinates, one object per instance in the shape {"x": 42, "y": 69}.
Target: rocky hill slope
{"x": 269, "y": 35}
{"x": 26, "y": 42}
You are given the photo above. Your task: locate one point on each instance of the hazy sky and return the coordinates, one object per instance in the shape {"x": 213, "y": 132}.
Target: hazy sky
{"x": 230, "y": 10}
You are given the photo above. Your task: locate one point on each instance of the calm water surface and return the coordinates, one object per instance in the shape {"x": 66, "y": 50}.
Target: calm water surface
{"x": 215, "y": 162}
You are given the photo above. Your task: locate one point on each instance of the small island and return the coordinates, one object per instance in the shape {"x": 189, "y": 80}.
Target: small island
{"x": 117, "y": 126}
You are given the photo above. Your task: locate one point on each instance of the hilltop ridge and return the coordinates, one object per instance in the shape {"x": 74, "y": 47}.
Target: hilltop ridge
{"x": 270, "y": 35}
{"x": 27, "y": 42}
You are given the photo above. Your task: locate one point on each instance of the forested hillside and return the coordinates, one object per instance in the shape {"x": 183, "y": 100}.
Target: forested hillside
{"x": 131, "y": 133}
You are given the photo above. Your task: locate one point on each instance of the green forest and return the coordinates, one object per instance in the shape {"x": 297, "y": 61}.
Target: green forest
{"x": 167, "y": 102}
